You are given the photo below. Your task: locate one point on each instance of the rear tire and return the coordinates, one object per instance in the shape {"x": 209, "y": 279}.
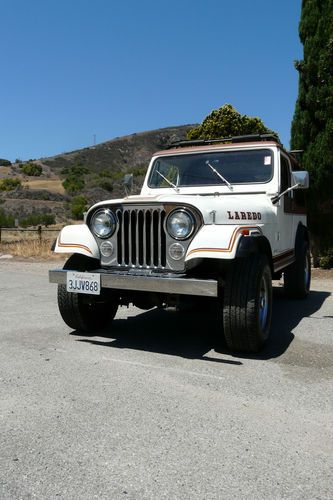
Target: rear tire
{"x": 247, "y": 308}
{"x": 83, "y": 312}
{"x": 297, "y": 277}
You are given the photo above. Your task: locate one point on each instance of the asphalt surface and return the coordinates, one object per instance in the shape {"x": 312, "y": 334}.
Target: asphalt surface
{"x": 150, "y": 410}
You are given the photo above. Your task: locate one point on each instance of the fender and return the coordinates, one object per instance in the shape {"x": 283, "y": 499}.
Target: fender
{"x": 257, "y": 243}
{"x": 302, "y": 234}
{"x": 77, "y": 239}
{"x": 219, "y": 241}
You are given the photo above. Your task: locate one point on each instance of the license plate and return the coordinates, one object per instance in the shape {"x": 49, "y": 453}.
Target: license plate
{"x": 78, "y": 282}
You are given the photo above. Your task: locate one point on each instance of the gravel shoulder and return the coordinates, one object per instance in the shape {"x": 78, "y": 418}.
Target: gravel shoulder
{"x": 150, "y": 409}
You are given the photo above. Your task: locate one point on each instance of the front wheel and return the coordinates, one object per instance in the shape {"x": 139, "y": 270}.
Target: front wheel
{"x": 83, "y": 312}
{"x": 86, "y": 313}
{"x": 247, "y": 305}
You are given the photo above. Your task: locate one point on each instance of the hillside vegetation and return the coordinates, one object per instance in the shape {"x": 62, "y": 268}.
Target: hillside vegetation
{"x": 66, "y": 184}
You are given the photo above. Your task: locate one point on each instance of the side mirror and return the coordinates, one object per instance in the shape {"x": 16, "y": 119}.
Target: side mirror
{"x": 301, "y": 178}
{"x": 128, "y": 183}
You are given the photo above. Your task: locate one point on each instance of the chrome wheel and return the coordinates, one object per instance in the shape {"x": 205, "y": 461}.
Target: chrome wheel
{"x": 263, "y": 303}
{"x": 307, "y": 272}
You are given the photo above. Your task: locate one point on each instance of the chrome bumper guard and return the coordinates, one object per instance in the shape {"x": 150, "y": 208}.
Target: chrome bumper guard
{"x": 173, "y": 285}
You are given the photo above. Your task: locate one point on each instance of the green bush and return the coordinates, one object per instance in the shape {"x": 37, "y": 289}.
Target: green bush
{"x": 74, "y": 180}
{"x": 139, "y": 171}
{"x": 73, "y": 184}
{"x": 6, "y": 220}
{"x": 104, "y": 184}
{"x": 5, "y": 163}
{"x": 9, "y": 184}
{"x": 38, "y": 219}
{"x": 31, "y": 169}
{"x": 105, "y": 173}
{"x": 75, "y": 171}
{"x": 78, "y": 206}
{"x": 326, "y": 261}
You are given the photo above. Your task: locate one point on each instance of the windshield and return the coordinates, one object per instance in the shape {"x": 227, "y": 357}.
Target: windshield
{"x": 211, "y": 169}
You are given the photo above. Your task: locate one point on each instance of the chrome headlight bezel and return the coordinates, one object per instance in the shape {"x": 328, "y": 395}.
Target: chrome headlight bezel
{"x": 110, "y": 227}
{"x": 170, "y": 221}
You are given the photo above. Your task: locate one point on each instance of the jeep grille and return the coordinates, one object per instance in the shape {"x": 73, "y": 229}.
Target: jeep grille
{"x": 141, "y": 239}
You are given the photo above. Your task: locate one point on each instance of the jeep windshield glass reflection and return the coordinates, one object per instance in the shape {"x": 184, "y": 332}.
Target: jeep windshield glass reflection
{"x": 235, "y": 167}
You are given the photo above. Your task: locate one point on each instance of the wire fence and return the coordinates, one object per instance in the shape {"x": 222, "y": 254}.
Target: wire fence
{"x": 10, "y": 234}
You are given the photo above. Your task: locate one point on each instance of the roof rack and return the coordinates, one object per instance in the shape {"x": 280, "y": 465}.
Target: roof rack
{"x": 234, "y": 139}
{"x": 296, "y": 152}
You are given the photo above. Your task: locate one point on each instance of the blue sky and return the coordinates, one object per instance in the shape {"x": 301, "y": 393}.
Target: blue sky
{"x": 72, "y": 69}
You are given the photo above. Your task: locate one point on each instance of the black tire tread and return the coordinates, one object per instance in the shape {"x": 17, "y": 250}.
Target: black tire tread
{"x": 240, "y": 308}
{"x": 83, "y": 312}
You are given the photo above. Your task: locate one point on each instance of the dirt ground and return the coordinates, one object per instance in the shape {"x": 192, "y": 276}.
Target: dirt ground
{"x": 322, "y": 274}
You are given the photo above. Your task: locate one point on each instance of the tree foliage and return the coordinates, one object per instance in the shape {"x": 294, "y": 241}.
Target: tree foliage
{"x": 5, "y": 163}
{"x": 312, "y": 126}
{"x": 226, "y": 122}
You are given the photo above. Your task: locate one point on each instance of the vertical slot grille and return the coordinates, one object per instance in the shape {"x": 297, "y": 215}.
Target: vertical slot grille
{"x": 141, "y": 240}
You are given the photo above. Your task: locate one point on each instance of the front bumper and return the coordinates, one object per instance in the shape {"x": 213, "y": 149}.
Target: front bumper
{"x": 164, "y": 284}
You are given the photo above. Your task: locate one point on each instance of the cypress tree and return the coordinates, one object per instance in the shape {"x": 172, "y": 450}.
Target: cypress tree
{"x": 312, "y": 126}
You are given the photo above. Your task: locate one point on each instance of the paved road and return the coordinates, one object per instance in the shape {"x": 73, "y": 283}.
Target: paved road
{"x": 152, "y": 411}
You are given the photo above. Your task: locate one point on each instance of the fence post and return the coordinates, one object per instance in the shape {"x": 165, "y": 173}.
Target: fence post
{"x": 40, "y": 233}
{"x": 0, "y": 234}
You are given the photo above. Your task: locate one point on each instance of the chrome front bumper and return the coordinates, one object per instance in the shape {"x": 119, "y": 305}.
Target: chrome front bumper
{"x": 166, "y": 284}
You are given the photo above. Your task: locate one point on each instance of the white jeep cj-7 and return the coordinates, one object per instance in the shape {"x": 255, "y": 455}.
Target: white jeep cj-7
{"x": 215, "y": 219}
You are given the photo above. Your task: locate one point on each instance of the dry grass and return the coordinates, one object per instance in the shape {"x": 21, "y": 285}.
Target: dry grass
{"x": 53, "y": 185}
{"x": 27, "y": 244}
{"x": 8, "y": 236}
{"x": 31, "y": 248}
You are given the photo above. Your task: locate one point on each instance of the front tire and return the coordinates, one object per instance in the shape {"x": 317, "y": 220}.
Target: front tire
{"x": 83, "y": 312}
{"x": 247, "y": 307}
{"x": 86, "y": 313}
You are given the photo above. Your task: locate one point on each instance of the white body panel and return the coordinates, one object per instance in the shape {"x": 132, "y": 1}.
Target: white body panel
{"x": 218, "y": 242}
{"x": 77, "y": 239}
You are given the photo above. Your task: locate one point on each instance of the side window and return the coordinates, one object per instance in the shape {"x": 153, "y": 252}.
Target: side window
{"x": 285, "y": 174}
{"x": 294, "y": 201}
{"x": 285, "y": 184}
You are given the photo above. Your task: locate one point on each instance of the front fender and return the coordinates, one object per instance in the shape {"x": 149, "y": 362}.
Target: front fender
{"x": 77, "y": 239}
{"x": 219, "y": 241}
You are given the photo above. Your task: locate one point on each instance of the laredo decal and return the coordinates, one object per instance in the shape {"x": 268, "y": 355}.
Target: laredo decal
{"x": 244, "y": 215}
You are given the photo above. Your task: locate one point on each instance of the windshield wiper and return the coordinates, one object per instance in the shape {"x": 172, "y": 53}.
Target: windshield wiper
{"x": 169, "y": 182}
{"x": 219, "y": 175}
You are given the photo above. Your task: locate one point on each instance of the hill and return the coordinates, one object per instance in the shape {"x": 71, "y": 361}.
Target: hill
{"x": 121, "y": 153}
{"x": 94, "y": 172}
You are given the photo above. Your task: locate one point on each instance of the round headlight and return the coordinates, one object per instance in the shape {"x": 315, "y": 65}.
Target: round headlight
{"x": 103, "y": 223}
{"x": 180, "y": 224}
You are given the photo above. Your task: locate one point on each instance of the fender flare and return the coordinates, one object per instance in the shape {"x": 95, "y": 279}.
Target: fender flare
{"x": 254, "y": 244}
{"x": 302, "y": 234}
{"x": 77, "y": 239}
